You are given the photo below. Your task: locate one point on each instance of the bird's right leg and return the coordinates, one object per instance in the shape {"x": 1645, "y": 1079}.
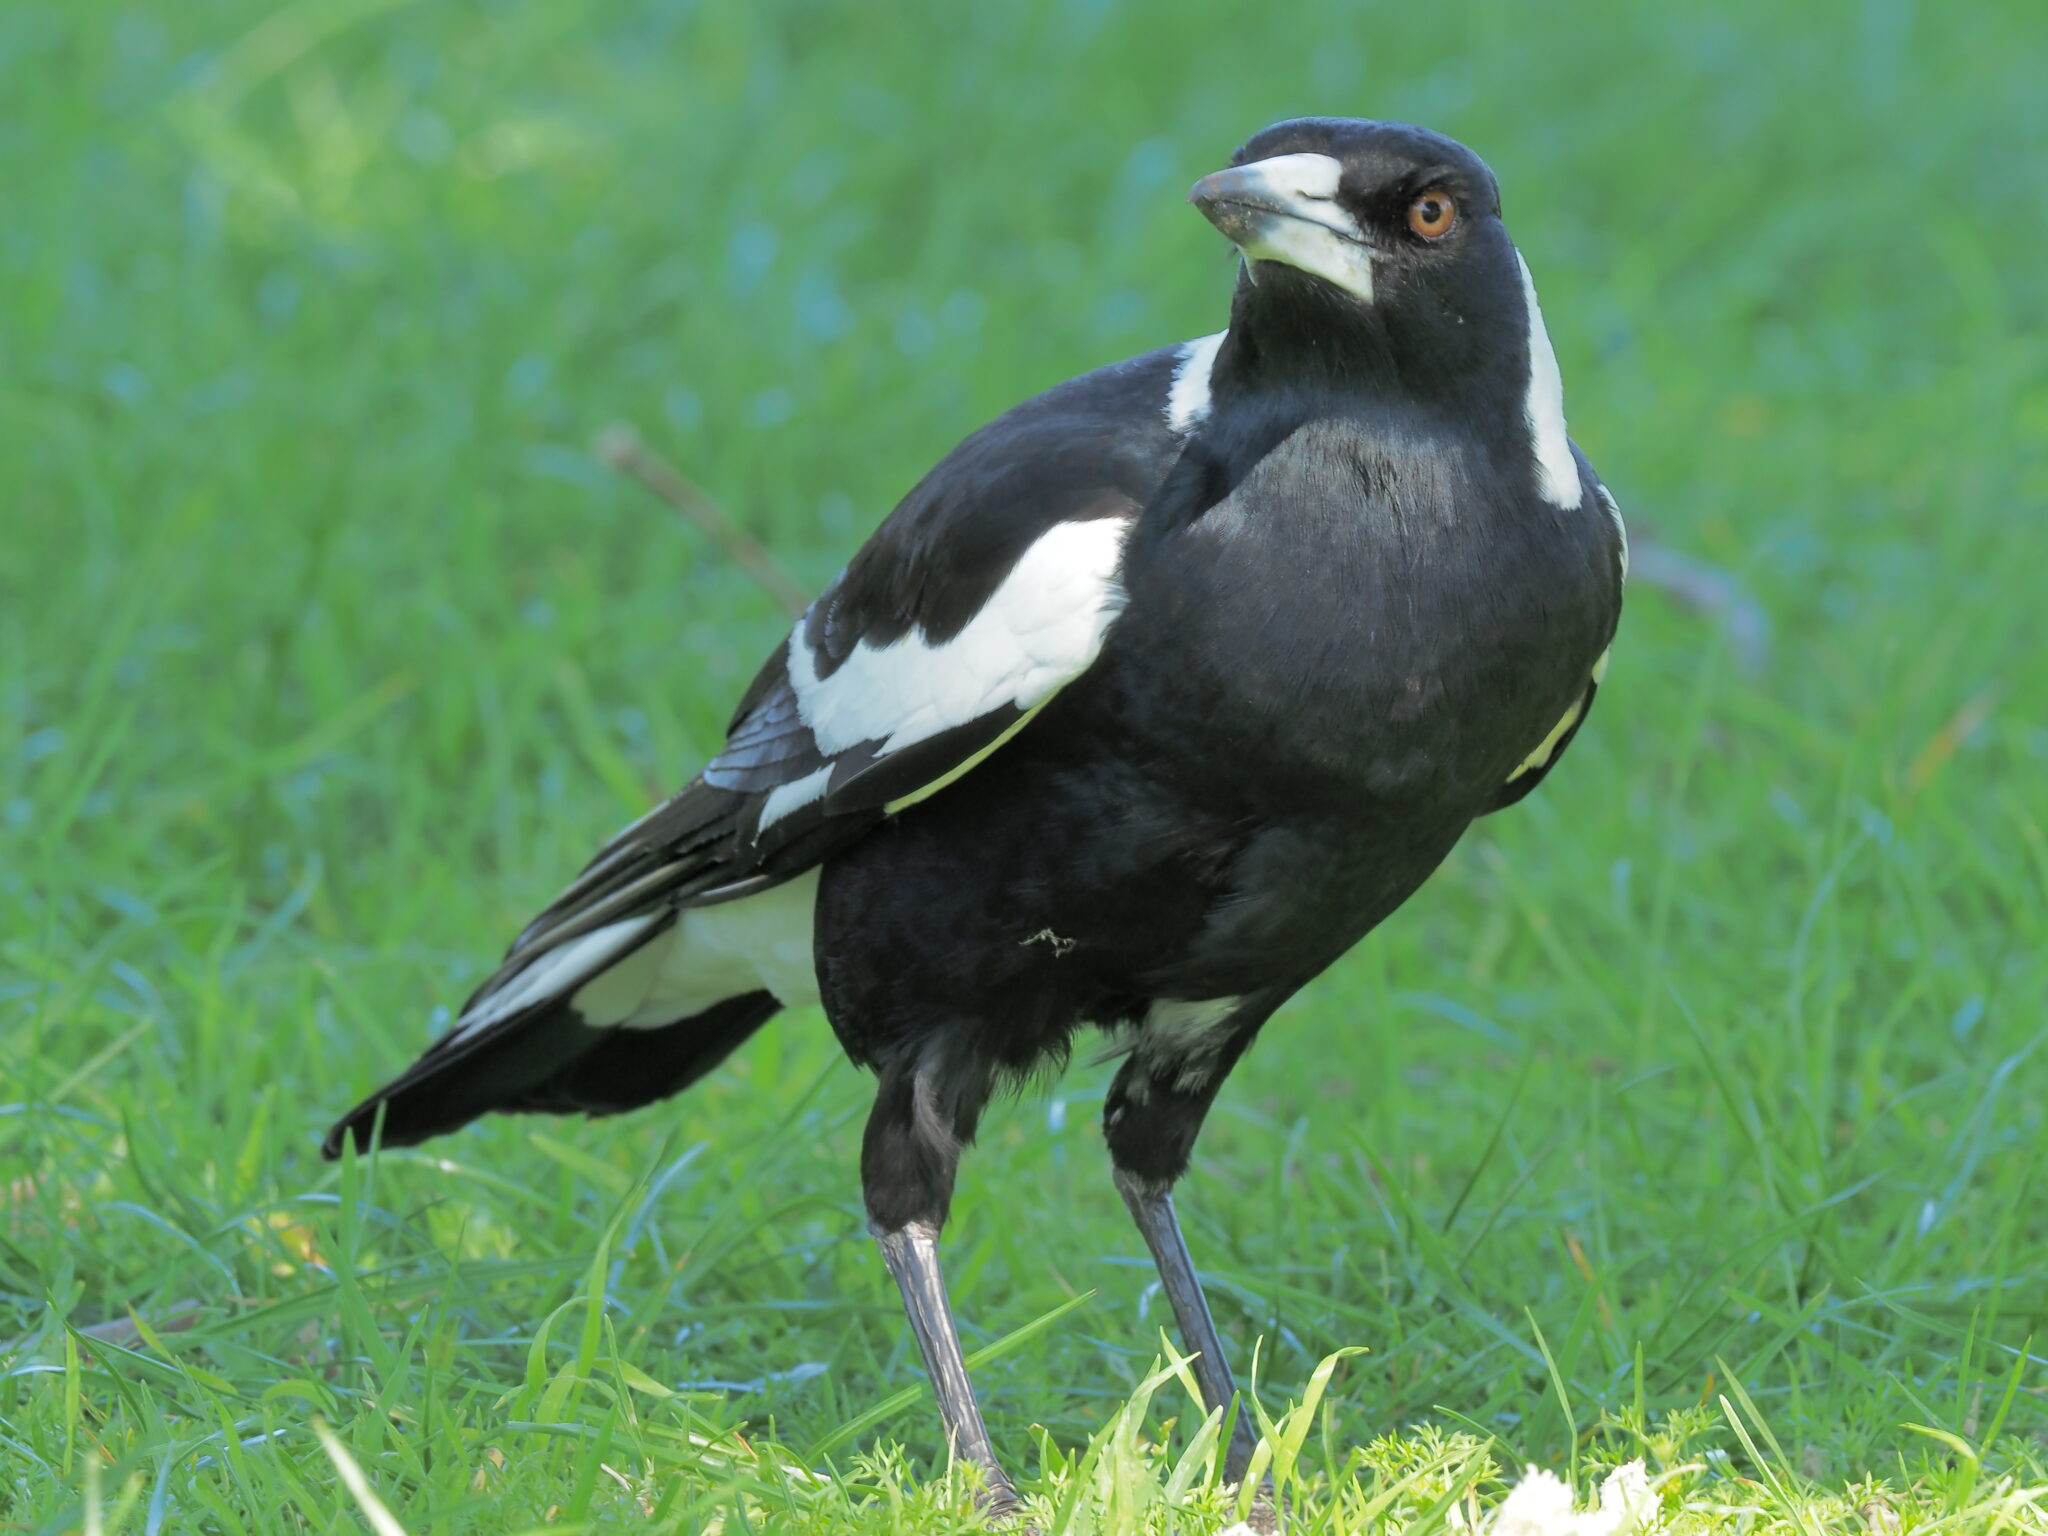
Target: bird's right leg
{"x": 924, "y": 1113}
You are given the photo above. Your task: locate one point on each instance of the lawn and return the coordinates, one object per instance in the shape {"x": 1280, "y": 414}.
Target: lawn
{"x": 1694, "y": 1111}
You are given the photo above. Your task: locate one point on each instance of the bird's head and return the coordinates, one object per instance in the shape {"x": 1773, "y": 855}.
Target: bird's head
{"x": 1383, "y": 235}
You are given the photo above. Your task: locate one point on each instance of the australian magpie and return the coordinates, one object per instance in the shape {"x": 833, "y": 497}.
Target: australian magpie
{"x": 1147, "y": 703}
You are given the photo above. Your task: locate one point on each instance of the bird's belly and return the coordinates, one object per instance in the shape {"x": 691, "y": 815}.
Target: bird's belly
{"x": 1273, "y": 752}
{"x": 1074, "y": 888}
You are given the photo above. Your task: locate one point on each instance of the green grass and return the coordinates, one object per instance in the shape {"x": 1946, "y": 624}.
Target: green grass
{"x": 1694, "y": 1110}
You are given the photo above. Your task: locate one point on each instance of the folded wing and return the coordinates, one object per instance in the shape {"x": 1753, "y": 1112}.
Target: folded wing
{"x": 990, "y": 588}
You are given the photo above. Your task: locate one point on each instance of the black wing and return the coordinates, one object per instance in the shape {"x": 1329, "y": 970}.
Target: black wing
{"x": 989, "y": 588}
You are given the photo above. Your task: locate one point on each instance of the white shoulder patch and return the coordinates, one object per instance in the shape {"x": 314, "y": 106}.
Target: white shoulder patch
{"x": 1557, "y": 472}
{"x": 1187, "y": 402}
{"x": 1038, "y": 631}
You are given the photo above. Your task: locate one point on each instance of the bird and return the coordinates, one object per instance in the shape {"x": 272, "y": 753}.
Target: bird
{"x": 1147, "y": 703}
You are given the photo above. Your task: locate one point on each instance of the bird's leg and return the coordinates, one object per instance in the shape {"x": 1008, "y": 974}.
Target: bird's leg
{"x": 912, "y": 1254}
{"x": 1151, "y": 1207}
{"x": 923, "y": 1114}
{"x": 1150, "y": 1119}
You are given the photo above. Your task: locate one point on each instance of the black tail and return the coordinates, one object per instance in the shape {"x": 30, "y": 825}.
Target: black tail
{"x": 552, "y": 1063}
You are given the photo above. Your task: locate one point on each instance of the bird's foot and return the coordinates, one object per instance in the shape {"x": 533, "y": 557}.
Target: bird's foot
{"x": 1262, "y": 1519}
{"x": 1006, "y": 1513}
{"x": 1001, "y": 1504}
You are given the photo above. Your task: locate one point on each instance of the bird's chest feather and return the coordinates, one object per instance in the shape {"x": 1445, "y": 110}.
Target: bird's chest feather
{"x": 1372, "y": 623}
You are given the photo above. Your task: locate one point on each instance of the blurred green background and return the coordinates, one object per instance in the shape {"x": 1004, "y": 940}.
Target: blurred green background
{"x": 328, "y": 649}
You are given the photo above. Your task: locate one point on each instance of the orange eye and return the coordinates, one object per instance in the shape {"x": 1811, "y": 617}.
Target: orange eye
{"x": 1432, "y": 215}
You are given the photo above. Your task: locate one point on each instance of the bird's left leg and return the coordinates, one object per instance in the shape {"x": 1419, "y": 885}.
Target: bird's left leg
{"x": 925, "y": 1110}
{"x": 1153, "y": 1112}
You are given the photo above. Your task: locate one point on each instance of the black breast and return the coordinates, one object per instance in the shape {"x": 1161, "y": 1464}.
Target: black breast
{"x": 1367, "y": 621}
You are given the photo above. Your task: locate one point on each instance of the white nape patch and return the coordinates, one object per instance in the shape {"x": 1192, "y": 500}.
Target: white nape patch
{"x": 793, "y": 796}
{"x": 1039, "y": 630}
{"x": 1185, "y": 1037}
{"x": 555, "y": 973}
{"x": 1557, "y": 472}
{"x": 1311, "y": 232}
{"x": 759, "y": 943}
{"x": 1187, "y": 402}
{"x": 1620, "y": 528}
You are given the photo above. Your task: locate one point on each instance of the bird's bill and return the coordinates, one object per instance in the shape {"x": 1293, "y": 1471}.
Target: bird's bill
{"x": 1285, "y": 209}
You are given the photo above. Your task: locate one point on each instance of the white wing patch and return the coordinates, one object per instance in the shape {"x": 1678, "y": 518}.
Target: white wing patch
{"x": 758, "y": 944}
{"x": 793, "y": 796}
{"x": 708, "y": 954}
{"x": 1187, "y": 402}
{"x": 1039, "y": 630}
{"x": 1557, "y": 472}
{"x": 554, "y": 973}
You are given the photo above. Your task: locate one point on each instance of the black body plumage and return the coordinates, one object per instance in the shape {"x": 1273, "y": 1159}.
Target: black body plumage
{"x": 1154, "y": 697}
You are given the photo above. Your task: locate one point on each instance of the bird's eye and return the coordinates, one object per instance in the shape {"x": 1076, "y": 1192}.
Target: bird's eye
{"x": 1432, "y": 215}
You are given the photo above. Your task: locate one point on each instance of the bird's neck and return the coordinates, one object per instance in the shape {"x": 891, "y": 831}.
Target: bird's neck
{"x": 1481, "y": 371}
{"x": 1301, "y": 363}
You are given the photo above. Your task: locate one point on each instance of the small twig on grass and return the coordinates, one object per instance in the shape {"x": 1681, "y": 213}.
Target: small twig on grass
{"x": 1968, "y": 719}
{"x": 122, "y": 1331}
{"x": 620, "y": 447}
